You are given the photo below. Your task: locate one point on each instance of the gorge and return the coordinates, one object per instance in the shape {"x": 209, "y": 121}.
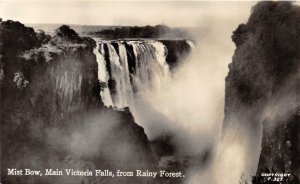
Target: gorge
{"x": 50, "y": 86}
{"x": 81, "y": 102}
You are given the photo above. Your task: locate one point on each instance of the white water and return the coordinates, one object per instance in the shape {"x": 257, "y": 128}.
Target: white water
{"x": 150, "y": 70}
{"x": 151, "y": 67}
{"x": 126, "y": 89}
{"x": 102, "y": 74}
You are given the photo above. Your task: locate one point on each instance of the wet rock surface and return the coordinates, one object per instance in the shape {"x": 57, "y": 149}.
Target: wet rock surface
{"x": 262, "y": 86}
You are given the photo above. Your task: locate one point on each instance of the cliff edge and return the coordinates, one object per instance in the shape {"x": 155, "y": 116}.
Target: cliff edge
{"x": 262, "y": 87}
{"x": 51, "y": 111}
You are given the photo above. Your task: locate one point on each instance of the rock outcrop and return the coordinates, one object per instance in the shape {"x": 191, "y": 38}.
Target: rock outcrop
{"x": 51, "y": 111}
{"x": 262, "y": 87}
{"x": 178, "y": 50}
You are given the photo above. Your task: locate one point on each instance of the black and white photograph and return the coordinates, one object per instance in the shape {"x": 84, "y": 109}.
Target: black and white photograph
{"x": 149, "y": 92}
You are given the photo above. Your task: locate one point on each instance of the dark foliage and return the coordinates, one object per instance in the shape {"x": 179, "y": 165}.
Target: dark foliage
{"x": 66, "y": 32}
{"x": 158, "y": 31}
{"x": 16, "y": 37}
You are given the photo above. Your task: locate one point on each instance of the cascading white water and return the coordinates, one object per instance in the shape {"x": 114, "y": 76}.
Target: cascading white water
{"x": 126, "y": 89}
{"x": 149, "y": 72}
{"x": 117, "y": 70}
{"x": 122, "y": 94}
{"x": 102, "y": 74}
{"x": 151, "y": 68}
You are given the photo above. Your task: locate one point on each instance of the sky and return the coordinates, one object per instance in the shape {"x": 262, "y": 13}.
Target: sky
{"x": 171, "y": 13}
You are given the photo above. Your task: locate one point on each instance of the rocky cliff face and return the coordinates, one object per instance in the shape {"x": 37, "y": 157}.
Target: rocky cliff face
{"x": 50, "y": 103}
{"x": 262, "y": 87}
{"x": 178, "y": 50}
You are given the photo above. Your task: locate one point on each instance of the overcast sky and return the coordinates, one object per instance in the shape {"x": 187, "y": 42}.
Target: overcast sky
{"x": 172, "y": 13}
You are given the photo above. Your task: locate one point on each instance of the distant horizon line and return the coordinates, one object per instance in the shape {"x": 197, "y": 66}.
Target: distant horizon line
{"x": 95, "y": 25}
{"x": 72, "y": 24}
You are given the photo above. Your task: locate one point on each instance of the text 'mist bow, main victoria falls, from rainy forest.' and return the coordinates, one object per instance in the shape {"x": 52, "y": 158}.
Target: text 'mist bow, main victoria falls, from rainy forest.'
{"x": 148, "y": 92}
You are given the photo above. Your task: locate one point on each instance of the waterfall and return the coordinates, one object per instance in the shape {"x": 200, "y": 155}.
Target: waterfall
{"x": 129, "y": 68}
{"x": 102, "y": 74}
{"x": 151, "y": 66}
